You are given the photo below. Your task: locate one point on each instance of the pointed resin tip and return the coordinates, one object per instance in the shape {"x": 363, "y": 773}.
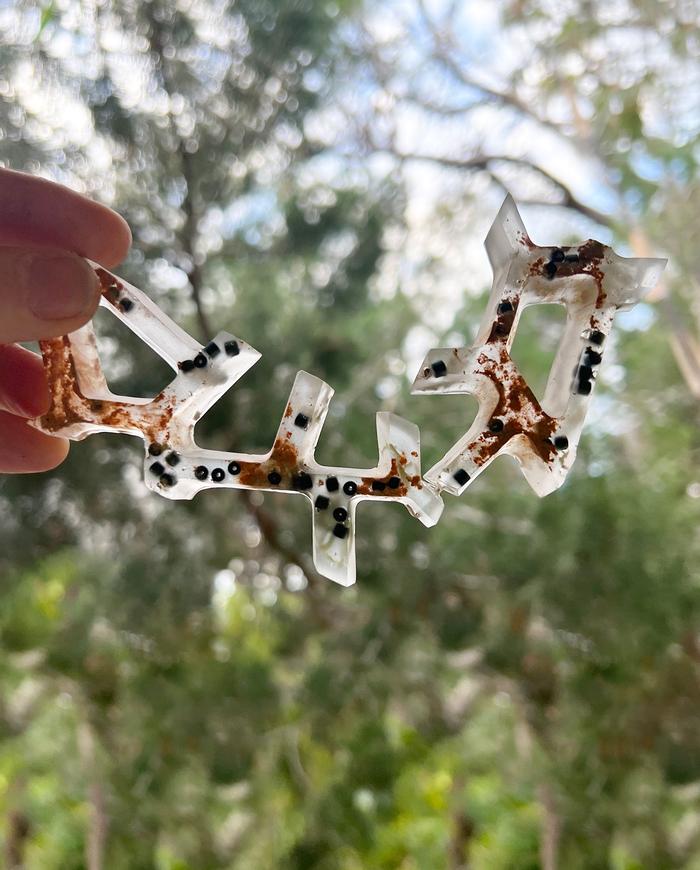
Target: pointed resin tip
{"x": 629, "y": 279}
{"x": 506, "y": 236}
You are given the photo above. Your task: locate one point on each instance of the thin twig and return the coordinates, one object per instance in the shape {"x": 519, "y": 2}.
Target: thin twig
{"x": 485, "y": 163}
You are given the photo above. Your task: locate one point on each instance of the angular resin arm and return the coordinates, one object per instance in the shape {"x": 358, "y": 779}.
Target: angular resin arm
{"x": 593, "y": 283}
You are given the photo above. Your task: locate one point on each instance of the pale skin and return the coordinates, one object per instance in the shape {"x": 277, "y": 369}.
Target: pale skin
{"x": 46, "y": 289}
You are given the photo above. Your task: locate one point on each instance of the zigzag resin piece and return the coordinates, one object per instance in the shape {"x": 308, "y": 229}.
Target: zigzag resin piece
{"x": 590, "y": 280}
{"x": 593, "y": 283}
{"x": 175, "y": 467}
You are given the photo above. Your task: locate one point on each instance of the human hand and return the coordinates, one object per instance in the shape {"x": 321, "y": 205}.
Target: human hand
{"x": 46, "y": 290}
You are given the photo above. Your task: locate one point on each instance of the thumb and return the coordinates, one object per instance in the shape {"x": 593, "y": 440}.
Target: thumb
{"x": 44, "y": 292}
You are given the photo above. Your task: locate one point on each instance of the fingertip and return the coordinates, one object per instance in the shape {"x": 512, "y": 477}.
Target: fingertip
{"x": 115, "y": 244}
{"x": 24, "y": 390}
{"x": 36, "y": 211}
{"x": 44, "y": 292}
{"x": 55, "y": 454}
{"x": 25, "y": 450}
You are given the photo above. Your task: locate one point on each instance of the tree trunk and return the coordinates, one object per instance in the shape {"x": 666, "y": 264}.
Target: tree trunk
{"x": 98, "y": 821}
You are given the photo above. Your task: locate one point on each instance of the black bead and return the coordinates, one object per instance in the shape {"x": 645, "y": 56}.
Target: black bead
{"x": 378, "y": 485}
{"x": 394, "y": 482}
{"x": 201, "y": 472}
{"x": 561, "y": 442}
{"x": 584, "y": 388}
{"x": 218, "y": 474}
{"x": 321, "y": 502}
{"x": 504, "y": 308}
{"x": 339, "y": 530}
{"x": 461, "y": 476}
{"x": 167, "y": 480}
{"x": 340, "y": 514}
{"x": 173, "y": 459}
{"x": 302, "y": 481}
{"x": 597, "y": 337}
{"x": 550, "y": 270}
{"x": 274, "y": 477}
{"x": 186, "y": 365}
{"x": 495, "y": 425}
{"x": 212, "y": 349}
{"x": 332, "y": 484}
{"x": 349, "y": 488}
{"x": 301, "y": 420}
{"x": 155, "y": 449}
{"x": 157, "y": 468}
{"x": 592, "y": 357}
{"x": 126, "y": 305}
{"x": 234, "y": 468}
{"x": 200, "y": 361}
{"x": 231, "y": 348}
{"x": 571, "y": 258}
{"x": 557, "y": 255}
{"x": 585, "y": 373}
{"x": 439, "y": 368}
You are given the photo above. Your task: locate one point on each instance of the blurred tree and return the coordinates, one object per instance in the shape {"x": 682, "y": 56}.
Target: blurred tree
{"x": 611, "y": 91}
{"x": 590, "y": 111}
{"x": 515, "y": 688}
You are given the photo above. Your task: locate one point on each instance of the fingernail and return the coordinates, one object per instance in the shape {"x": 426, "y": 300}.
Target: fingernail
{"x": 61, "y": 286}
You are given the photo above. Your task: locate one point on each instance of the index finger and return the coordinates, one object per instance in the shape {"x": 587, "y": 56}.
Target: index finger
{"x": 34, "y": 211}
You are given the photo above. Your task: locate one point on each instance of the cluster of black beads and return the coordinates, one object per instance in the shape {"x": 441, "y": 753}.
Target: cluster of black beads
{"x": 558, "y": 256}
{"x": 218, "y": 475}
{"x": 591, "y": 358}
{"x": 322, "y": 502}
{"x": 212, "y": 350}
{"x": 165, "y": 478}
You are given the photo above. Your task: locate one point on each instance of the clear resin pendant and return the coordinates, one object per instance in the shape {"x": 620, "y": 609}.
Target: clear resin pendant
{"x": 590, "y": 280}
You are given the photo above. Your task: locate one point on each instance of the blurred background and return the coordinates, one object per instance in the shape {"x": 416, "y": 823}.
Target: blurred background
{"x": 518, "y": 687}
